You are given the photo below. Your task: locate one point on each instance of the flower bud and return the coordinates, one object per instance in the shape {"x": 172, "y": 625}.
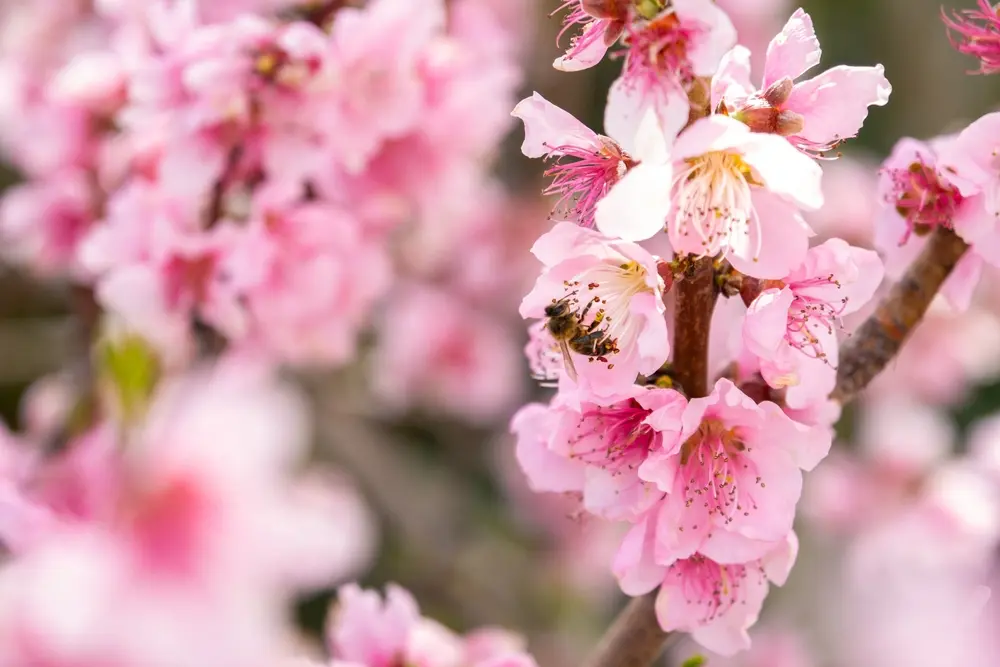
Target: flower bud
{"x": 778, "y": 92}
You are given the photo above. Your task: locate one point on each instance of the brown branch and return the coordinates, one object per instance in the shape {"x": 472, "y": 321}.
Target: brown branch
{"x": 879, "y": 339}
{"x": 692, "y": 320}
{"x": 634, "y": 639}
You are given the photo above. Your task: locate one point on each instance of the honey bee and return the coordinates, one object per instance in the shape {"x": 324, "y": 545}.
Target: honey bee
{"x": 572, "y": 335}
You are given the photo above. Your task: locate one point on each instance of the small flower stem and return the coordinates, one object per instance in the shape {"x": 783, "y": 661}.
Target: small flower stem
{"x": 879, "y": 339}
{"x": 696, "y": 296}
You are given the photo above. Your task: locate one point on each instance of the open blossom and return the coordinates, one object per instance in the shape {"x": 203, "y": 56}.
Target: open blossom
{"x": 667, "y": 48}
{"x": 731, "y": 191}
{"x": 605, "y": 298}
{"x": 815, "y": 114}
{"x": 587, "y": 164}
{"x": 792, "y": 326}
{"x": 598, "y": 447}
{"x": 366, "y": 630}
{"x": 919, "y": 191}
{"x": 976, "y": 32}
{"x": 732, "y": 478}
{"x": 716, "y": 602}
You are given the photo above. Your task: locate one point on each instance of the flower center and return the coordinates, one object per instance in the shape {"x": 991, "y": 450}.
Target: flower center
{"x": 606, "y": 324}
{"x": 660, "y": 46}
{"x": 614, "y": 438}
{"x": 809, "y": 314}
{"x": 714, "y": 587}
{"x": 718, "y": 475}
{"x": 586, "y": 177}
{"x": 713, "y": 200}
{"x": 922, "y": 199}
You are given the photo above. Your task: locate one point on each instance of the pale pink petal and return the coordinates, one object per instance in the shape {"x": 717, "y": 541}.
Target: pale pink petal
{"x": 959, "y": 288}
{"x": 724, "y": 546}
{"x": 785, "y": 171}
{"x": 634, "y": 565}
{"x": 577, "y": 59}
{"x": 547, "y": 127}
{"x": 778, "y": 564}
{"x": 637, "y": 206}
{"x": 971, "y": 156}
{"x": 767, "y": 321}
{"x": 783, "y": 239}
{"x": 713, "y": 133}
{"x": 732, "y": 81}
{"x": 545, "y": 470}
{"x": 633, "y": 109}
{"x": 808, "y": 445}
{"x": 716, "y": 37}
{"x": 835, "y": 103}
{"x": 793, "y": 51}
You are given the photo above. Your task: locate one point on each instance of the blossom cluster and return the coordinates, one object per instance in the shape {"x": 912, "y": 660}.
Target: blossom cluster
{"x": 699, "y": 167}
{"x": 269, "y": 169}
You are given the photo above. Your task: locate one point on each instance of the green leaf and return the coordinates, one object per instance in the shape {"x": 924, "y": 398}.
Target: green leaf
{"x": 695, "y": 661}
{"x": 130, "y": 367}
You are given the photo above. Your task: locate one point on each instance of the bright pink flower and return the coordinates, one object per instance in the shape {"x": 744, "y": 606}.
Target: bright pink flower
{"x": 611, "y": 438}
{"x": 816, "y": 114}
{"x": 716, "y": 602}
{"x": 791, "y": 327}
{"x": 732, "y": 478}
{"x": 610, "y": 290}
{"x": 976, "y": 32}
{"x": 732, "y": 191}
{"x": 601, "y": 23}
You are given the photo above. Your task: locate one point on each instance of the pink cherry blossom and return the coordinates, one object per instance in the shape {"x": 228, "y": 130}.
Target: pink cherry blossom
{"x": 816, "y": 114}
{"x": 612, "y": 290}
{"x": 791, "y": 327}
{"x": 667, "y": 49}
{"x": 601, "y": 447}
{"x": 919, "y": 192}
{"x": 733, "y": 192}
{"x": 976, "y": 32}
{"x": 733, "y": 477}
{"x": 587, "y": 164}
{"x": 715, "y": 602}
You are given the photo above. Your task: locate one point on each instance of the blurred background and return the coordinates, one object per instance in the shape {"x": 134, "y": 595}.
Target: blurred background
{"x": 430, "y": 451}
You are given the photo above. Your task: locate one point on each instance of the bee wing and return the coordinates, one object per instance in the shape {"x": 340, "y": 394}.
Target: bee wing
{"x": 568, "y": 359}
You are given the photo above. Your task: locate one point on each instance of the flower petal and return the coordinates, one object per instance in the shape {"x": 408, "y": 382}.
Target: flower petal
{"x": 547, "y": 127}
{"x": 637, "y": 206}
{"x": 793, "y": 51}
{"x": 834, "y": 104}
